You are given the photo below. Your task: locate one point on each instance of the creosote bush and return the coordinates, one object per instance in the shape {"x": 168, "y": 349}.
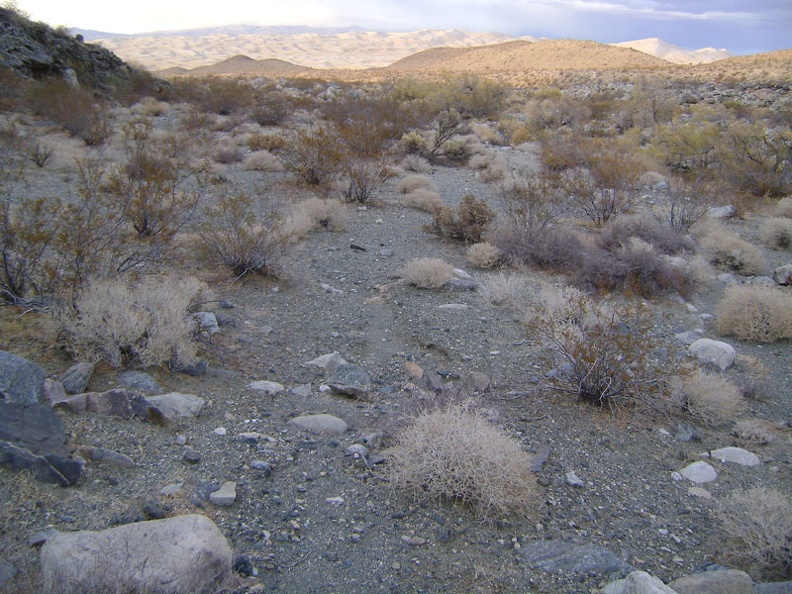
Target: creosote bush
{"x": 484, "y": 255}
{"x": 708, "y": 397}
{"x": 758, "y": 526}
{"x": 134, "y": 324}
{"x": 755, "y": 314}
{"x": 453, "y": 454}
{"x": 427, "y": 273}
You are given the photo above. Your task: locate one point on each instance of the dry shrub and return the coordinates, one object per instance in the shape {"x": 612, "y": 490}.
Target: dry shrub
{"x": 454, "y": 454}
{"x": 484, "y": 255}
{"x": 415, "y": 182}
{"x": 134, "y": 325}
{"x": 315, "y": 214}
{"x": 758, "y": 524}
{"x": 783, "y": 208}
{"x": 725, "y": 249}
{"x": 508, "y": 290}
{"x": 427, "y": 273}
{"x": 708, "y": 397}
{"x": 266, "y": 142}
{"x": 755, "y": 314}
{"x": 315, "y": 155}
{"x": 416, "y": 163}
{"x": 491, "y": 167}
{"x": 423, "y": 199}
{"x": 776, "y": 233}
{"x": 262, "y": 161}
{"x": 755, "y": 431}
{"x": 467, "y": 223}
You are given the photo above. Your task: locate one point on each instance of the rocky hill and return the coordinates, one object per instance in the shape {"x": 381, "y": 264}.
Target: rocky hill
{"x": 36, "y": 50}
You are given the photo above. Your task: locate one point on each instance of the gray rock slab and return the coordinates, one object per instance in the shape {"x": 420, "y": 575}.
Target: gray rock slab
{"x": 558, "y": 555}
{"x": 721, "y": 581}
{"x": 774, "y": 588}
{"x": 783, "y": 274}
{"x": 75, "y": 379}
{"x": 176, "y": 555}
{"x": 35, "y": 427}
{"x": 268, "y": 387}
{"x": 322, "y": 423}
{"x": 20, "y": 379}
{"x": 225, "y": 495}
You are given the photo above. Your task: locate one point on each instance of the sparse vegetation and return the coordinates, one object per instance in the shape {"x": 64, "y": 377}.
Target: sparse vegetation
{"x": 427, "y": 273}
{"x": 708, "y": 397}
{"x": 467, "y": 223}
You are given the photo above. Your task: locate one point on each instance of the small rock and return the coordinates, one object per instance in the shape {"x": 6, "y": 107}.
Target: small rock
{"x": 783, "y": 274}
{"x": 191, "y": 456}
{"x": 736, "y": 455}
{"x": 357, "y": 451}
{"x": 350, "y": 380}
{"x": 699, "y": 492}
{"x": 689, "y": 337}
{"x": 139, "y": 381}
{"x": 686, "y": 432}
{"x": 721, "y": 212}
{"x": 637, "y": 582}
{"x": 207, "y": 321}
{"x": 225, "y": 495}
{"x": 328, "y": 362}
{"x": 176, "y": 406}
{"x": 20, "y": 380}
{"x": 303, "y": 391}
{"x": 461, "y": 284}
{"x": 414, "y": 371}
{"x": 335, "y": 500}
{"x": 75, "y": 379}
{"x": 152, "y": 510}
{"x": 699, "y": 472}
{"x": 262, "y": 465}
{"x": 322, "y": 423}
{"x": 573, "y": 479}
{"x": 269, "y": 388}
{"x": 414, "y": 541}
{"x": 220, "y": 431}
{"x": 106, "y": 456}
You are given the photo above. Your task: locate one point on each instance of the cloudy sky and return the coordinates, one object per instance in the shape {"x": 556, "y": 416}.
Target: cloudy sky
{"x": 741, "y": 26}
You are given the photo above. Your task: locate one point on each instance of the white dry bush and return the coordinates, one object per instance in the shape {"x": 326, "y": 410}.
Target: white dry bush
{"x": 484, "y": 255}
{"x": 423, "y": 199}
{"x": 415, "y": 182}
{"x": 491, "y": 167}
{"x": 725, "y": 249}
{"x": 135, "y": 325}
{"x": 315, "y": 214}
{"x": 427, "y": 273}
{"x": 504, "y": 289}
{"x": 150, "y": 107}
{"x": 755, "y": 313}
{"x": 454, "y": 454}
{"x": 262, "y": 161}
{"x": 783, "y": 208}
{"x": 776, "y": 233}
{"x": 708, "y": 397}
{"x": 758, "y": 525}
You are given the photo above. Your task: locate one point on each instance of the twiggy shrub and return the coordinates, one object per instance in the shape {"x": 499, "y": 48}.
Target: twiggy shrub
{"x": 530, "y": 204}
{"x": 454, "y": 454}
{"x": 484, "y": 255}
{"x": 602, "y": 352}
{"x": 416, "y": 163}
{"x": 131, "y": 325}
{"x": 684, "y": 205}
{"x": 262, "y": 161}
{"x": 77, "y": 110}
{"x": 314, "y": 155}
{"x": 363, "y": 177}
{"x": 758, "y": 526}
{"x": 755, "y": 314}
{"x": 727, "y": 250}
{"x": 243, "y": 241}
{"x": 708, "y": 397}
{"x": 467, "y": 223}
{"x": 507, "y": 290}
{"x": 776, "y": 233}
{"x": 427, "y": 273}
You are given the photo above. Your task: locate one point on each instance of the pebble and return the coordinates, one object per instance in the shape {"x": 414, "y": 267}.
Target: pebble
{"x": 414, "y": 541}
{"x": 220, "y": 431}
{"x": 357, "y": 451}
{"x": 699, "y": 492}
{"x": 191, "y": 456}
{"x": 699, "y": 472}
{"x": 269, "y": 388}
{"x": 335, "y": 500}
{"x": 573, "y": 479}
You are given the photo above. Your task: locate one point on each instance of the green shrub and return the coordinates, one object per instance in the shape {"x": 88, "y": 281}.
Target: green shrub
{"x": 755, "y": 314}
{"x": 454, "y": 454}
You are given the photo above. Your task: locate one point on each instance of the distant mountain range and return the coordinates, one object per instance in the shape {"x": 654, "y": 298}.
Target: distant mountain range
{"x": 327, "y": 48}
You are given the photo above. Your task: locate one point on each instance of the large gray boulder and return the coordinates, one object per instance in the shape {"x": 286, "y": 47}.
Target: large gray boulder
{"x": 638, "y": 582}
{"x": 181, "y": 555}
{"x": 713, "y": 352}
{"x": 20, "y": 380}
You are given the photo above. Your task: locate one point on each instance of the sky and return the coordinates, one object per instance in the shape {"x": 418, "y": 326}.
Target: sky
{"x": 740, "y": 26}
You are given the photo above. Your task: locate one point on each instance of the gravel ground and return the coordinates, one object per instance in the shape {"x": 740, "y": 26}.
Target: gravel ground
{"x": 317, "y": 520}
